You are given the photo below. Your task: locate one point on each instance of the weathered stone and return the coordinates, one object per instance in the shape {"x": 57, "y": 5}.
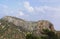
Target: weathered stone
{"x": 29, "y": 26}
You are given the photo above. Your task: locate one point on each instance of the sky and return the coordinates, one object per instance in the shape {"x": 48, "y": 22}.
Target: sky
{"x": 32, "y": 10}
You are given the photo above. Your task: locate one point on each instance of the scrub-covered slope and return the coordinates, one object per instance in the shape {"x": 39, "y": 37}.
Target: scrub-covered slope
{"x": 16, "y": 28}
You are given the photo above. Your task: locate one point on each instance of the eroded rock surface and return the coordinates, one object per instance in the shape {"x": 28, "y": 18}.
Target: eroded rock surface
{"x": 19, "y": 27}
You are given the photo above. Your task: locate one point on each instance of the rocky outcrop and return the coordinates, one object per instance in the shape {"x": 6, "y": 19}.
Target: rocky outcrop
{"x": 10, "y": 31}
{"x": 44, "y": 24}
{"x": 14, "y": 20}
{"x": 29, "y": 26}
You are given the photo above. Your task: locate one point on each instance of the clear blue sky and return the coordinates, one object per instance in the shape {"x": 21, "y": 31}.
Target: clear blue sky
{"x": 32, "y": 10}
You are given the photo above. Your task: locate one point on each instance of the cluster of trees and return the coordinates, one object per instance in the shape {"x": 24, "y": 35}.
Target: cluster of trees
{"x": 48, "y": 35}
{"x": 30, "y": 36}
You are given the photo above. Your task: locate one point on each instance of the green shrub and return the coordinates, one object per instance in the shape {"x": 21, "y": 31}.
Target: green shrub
{"x": 30, "y": 36}
{"x": 50, "y": 34}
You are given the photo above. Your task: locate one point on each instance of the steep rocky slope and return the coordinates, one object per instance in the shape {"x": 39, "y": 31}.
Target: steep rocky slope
{"x": 15, "y": 28}
{"x": 10, "y": 31}
{"x": 29, "y": 25}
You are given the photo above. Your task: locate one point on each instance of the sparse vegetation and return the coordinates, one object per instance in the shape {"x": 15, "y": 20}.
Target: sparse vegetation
{"x": 31, "y": 36}
{"x": 47, "y": 35}
{"x": 50, "y": 34}
{"x": 9, "y": 30}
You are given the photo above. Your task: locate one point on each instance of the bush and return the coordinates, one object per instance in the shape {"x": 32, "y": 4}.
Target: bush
{"x": 47, "y": 35}
{"x": 30, "y": 36}
{"x": 51, "y": 34}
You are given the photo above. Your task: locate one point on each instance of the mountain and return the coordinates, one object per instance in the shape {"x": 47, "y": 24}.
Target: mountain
{"x": 16, "y": 28}
{"x": 10, "y": 31}
{"x": 28, "y": 25}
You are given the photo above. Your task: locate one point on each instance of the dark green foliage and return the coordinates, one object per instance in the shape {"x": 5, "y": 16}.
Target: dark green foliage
{"x": 47, "y": 35}
{"x": 31, "y": 36}
{"x": 44, "y": 37}
{"x": 50, "y": 34}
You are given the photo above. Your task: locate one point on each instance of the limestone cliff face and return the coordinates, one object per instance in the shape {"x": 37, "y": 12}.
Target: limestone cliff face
{"x": 44, "y": 24}
{"x": 28, "y": 25}
{"x": 10, "y": 31}
{"x": 20, "y": 27}
{"x": 16, "y": 21}
{"x": 25, "y": 25}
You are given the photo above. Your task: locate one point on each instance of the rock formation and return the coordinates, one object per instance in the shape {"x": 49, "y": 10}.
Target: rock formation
{"x": 25, "y": 26}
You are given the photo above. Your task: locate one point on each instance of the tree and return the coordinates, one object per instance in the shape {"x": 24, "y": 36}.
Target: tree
{"x": 50, "y": 34}
{"x": 31, "y": 36}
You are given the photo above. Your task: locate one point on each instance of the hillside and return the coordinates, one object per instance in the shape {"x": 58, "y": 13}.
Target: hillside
{"x": 16, "y": 28}
{"x": 10, "y": 31}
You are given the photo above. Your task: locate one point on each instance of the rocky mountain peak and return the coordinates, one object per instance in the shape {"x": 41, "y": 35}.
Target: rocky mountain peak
{"x": 25, "y": 26}
{"x": 44, "y": 24}
{"x": 29, "y": 25}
